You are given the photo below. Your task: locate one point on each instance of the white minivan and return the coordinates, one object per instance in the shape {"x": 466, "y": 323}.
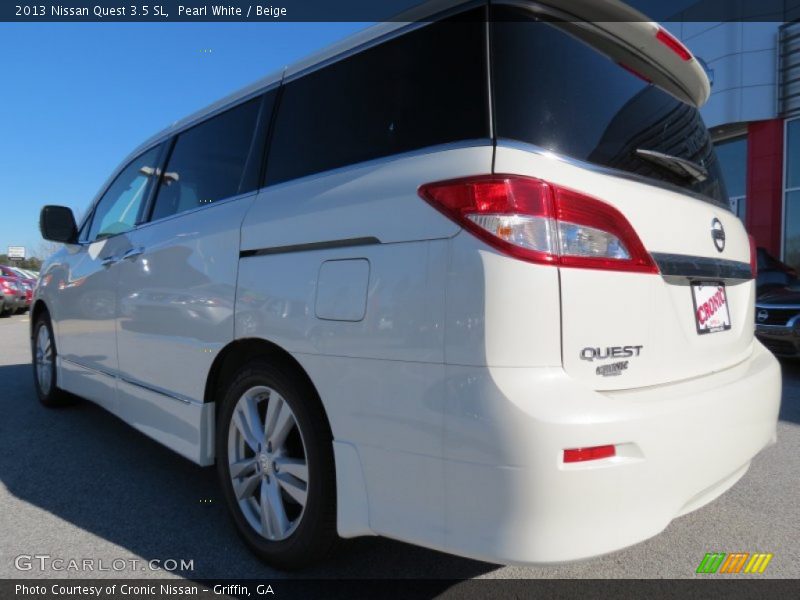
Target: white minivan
{"x": 470, "y": 282}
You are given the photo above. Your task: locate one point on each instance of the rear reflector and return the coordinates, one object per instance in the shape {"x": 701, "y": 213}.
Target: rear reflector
{"x": 574, "y": 455}
{"x": 541, "y": 222}
{"x": 671, "y": 42}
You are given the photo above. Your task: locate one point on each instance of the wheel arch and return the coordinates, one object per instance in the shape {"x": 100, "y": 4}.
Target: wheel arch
{"x": 238, "y": 352}
{"x": 38, "y": 309}
{"x": 352, "y": 512}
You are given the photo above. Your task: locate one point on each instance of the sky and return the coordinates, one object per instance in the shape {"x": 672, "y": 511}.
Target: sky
{"x": 75, "y": 99}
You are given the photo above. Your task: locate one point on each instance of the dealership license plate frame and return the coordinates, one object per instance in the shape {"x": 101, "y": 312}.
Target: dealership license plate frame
{"x": 697, "y": 286}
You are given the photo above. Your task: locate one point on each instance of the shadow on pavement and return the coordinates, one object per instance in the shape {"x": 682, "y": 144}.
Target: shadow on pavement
{"x": 87, "y": 467}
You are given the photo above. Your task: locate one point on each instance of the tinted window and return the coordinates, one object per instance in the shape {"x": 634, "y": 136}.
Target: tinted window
{"x": 423, "y": 88}
{"x": 732, "y": 156}
{"x": 791, "y": 239}
{"x": 559, "y": 93}
{"x": 209, "y": 162}
{"x": 791, "y": 200}
{"x": 120, "y": 207}
{"x": 793, "y": 153}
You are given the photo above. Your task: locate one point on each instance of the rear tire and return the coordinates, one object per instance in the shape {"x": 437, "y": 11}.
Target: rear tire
{"x": 45, "y": 375}
{"x": 275, "y": 465}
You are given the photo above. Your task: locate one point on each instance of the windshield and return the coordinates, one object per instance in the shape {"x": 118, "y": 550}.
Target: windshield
{"x": 560, "y": 94}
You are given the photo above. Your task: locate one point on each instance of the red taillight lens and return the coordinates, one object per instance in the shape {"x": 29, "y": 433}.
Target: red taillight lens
{"x": 574, "y": 455}
{"x": 753, "y": 256}
{"x": 671, "y": 42}
{"x": 540, "y": 222}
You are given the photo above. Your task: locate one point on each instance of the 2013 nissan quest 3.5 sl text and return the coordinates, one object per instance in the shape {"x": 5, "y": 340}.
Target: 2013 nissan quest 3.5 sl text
{"x": 469, "y": 282}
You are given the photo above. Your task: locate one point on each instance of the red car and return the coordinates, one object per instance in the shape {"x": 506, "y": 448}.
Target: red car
{"x": 26, "y": 285}
{"x": 12, "y": 296}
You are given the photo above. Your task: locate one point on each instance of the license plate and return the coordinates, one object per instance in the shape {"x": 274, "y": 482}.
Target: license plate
{"x": 710, "y": 307}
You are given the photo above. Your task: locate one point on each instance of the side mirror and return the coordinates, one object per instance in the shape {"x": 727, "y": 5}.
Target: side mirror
{"x": 57, "y": 224}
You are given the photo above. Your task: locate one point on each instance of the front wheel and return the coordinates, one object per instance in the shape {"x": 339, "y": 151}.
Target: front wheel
{"x": 45, "y": 377}
{"x": 275, "y": 464}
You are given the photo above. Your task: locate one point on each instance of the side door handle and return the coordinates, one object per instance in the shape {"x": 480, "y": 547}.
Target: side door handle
{"x": 109, "y": 260}
{"x": 132, "y": 253}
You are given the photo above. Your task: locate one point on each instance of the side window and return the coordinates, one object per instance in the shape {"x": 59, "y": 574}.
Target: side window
{"x": 120, "y": 207}
{"x": 209, "y": 162}
{"x": 425, "y": 87}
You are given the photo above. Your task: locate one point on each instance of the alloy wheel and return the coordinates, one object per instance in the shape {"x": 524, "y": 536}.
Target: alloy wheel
{"x": 44, "y": 359}
{"x": 267, "y": 463}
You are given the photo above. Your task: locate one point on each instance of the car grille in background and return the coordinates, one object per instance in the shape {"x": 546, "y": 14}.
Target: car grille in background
{"x": 779, "y": 346}
{"x": 776, "y": 316}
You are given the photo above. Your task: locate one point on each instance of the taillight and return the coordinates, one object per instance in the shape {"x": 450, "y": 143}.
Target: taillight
{"x": 541, "y": 222}
{"x": 753, "y": 256}
{"x": 671, "y": 42}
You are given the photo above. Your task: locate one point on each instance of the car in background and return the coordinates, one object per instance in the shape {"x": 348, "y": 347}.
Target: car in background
{"x": 30, "y": 284}
{"x": 13, "y": 296}
{"x": 777, "y": 305}
{"x": 27, "y": 273}
{"x": 27, "y": 284}
{"x": 772, "y": 273}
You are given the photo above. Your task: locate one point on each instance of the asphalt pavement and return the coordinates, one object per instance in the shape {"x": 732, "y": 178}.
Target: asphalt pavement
{"x": 78, "y": 483}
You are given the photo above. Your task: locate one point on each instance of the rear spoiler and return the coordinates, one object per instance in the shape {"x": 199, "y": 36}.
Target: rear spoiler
{"x": 642, "y": 46}
{"x": 621, "y": 32}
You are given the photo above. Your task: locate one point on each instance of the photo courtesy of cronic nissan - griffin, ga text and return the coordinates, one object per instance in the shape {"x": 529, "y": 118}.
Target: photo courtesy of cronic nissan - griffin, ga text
{"x": 467, "y": 280}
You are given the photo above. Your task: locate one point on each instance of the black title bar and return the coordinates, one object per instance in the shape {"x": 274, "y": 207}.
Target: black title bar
{"x": 159, "y": 11}
{"x": 389, "y": 589}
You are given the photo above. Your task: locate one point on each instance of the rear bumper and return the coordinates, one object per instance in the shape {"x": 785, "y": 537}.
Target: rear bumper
{"x": 779, "y": 339}
{"x": 509, "y": 497}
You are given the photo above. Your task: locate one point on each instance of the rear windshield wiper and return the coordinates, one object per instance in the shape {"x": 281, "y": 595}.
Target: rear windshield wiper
{"x": 675, "y": 164}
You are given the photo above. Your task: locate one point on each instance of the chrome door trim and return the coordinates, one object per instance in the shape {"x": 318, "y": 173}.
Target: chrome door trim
{"x": 149, "y": 388}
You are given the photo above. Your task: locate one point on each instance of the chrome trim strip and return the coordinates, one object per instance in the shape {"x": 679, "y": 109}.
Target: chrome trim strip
{"x": 161, "y": 392}
{"x": 682, "y": 265}
{"x": 327, "y": 245}
{"x": 92, "y": 369}
{"x": 533, "y": 148}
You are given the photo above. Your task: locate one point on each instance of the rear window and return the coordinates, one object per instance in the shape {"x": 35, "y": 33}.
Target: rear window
{"x": 557, "y": 92}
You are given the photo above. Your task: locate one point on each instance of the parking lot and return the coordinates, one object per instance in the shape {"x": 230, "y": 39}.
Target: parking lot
{"x": 79, "y": 483}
